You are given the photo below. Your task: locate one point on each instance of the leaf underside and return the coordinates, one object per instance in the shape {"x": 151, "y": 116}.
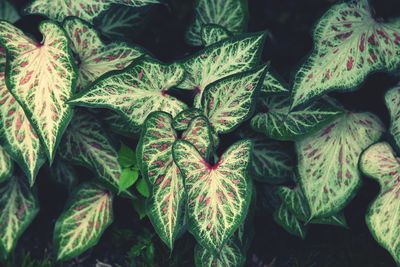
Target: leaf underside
{"x": 230, "y": 255}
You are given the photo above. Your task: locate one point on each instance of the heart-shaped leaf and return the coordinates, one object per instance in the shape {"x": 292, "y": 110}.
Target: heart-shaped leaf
{"x": 230, "y": 101}
{"x": 136, "y": 91}
{"x": 64, "y": 174}
{"x": 219, "y": 195}
{"x": 30, "y": 66}
{"x": 8, "y": 12}
{"x": 87, "y": 214}
{"x": 392, "y": 100}
{"x": 95, "y": 58}
{"x": 182, "y": 120}
{"x": 85, "y": 9}
{"x": 158, "y": 167}
{"x": 380, "y": 163}
{"x": 230, "y": 255}
{"x": 213, "y": 33}
{"x": 220, "y": 60}
{"x": 285, "y": 218}
{"x": 231, "y": 14}
{"x": 328, "y": 161}
{"x": 18, "y": 208}
{"x": 85, "y": 143}
{"x": 276, "y": 120}
{"x": 348, "y": 45}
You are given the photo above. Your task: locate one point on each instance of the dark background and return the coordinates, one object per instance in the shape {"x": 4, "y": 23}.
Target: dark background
{"x": 289, "y": 24}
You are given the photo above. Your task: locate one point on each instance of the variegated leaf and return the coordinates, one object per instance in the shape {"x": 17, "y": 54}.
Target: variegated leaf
{"x": 182, "y": 120}
{"x": 289, "y": 222}
{"x": 17, "y": 135}
{"x": 230, "y": 101}
{"x": 2, "y": 59}
{"x": 392, "y": 100}
{"x": 213, "y": 33}
{"x": 231, "y": 14}
{"x": 348, "y": 45}
{"x": 94, "y": 58}
{"x": 41, "y": 76}
{"x": 276, "y": 120}
{"x": 64, "y": 174}
{"x": 87, "y": 214}
{"x": 220, "y": 60}
{"x": 86, "y": 143}
{"x": 230, "y": 255}
{"x": 85, "y": 9}
{"x": 136, "y": 91}
{"x": 273, "y": 84}
{"x": 380, "y": 163}
{"x": 199, "y": 134}
{"x": 120, "y": 125}
{"x": 18, "y": 206}
{"x": 6, "y": 165}
{"x": 157, "y": 165}
{"x": 8, "y": 12}
{"x": 328, "y": 161}
{"x": 219, "y": 195}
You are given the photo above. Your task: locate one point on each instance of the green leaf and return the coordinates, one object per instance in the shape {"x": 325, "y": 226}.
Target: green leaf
{"x": 220, "y": 60}
{"x": 6, "y": 165}
{"x": 18, "y": 206}
{"x": 182, "y": 120}
{"x": 380, "y": 163}
{"x": 94, "y": 57}
{"x": 139, "y": 204}
{"x": 276, "y": 120}
{"x": 8, "y": 12}
{"x": 273, "y": 84}
{"x": 230, "y": 101}
{"x": 18, "y": 137}
{"x": 87, "y": 214}
{"x": 392, "y": 100}
{"x": 85, "y": 9}
{"x": 349, "y": 44}
{"x": 158, "y": 167}
{"x": 30, "y": 64}
{"x": 289, "y": 222}
{"x": 130, "y": 170}
{"x": 213, "y": 33}
{"x": 328, "y": 161}
{"x": 230, "y": 255}
{"x": 143, "y": 188}
{"x": 231, "y": 14}
{"x": 136, "y": 91}
{"x": 63, "y": 173}
{"x": 85, "y": 143}
{"x": 120, "y": 125}
{"x": 219, "y": 195}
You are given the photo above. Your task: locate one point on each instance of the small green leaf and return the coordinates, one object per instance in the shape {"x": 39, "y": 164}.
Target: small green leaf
{"x": 139, "y": 204}
{"x": 126, "y": 156}
{"x": 130, "y": 170}
{"x": 289, "y": 222}
{"x": 143, "y": 188}
{"x": 87, "y": 214}
{"x": 230, "y": 255}
{"x": 213, "y": 33}
{"x": 8, "y": 12}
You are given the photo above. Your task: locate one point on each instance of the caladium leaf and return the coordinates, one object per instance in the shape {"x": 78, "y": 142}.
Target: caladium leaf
{"x": 380, "y": 163}
{"x": 220, "y": 60}
{"x": 289, "y": 222}
{"x": 2, "y": 59}
{"x": 231, "y": 14}
{"x": 230, "y": 101}
{"x": 18, "y": 206}
{"x": 86, "y": 143}
{"x": 328, "y": 159}
{"x": 273, "y": 84}
{"x": 219, "y": 195}
{"x": 85, "y": 9}
{"x": 230, "y": 255}
{"x": 63, "y": 173}
{"x": 87, "y": 214}
{"x": 30, "y": 65}
{"x": 182, "y": 120}
{"x": 6, "y": 165}
{"x": 8, "y": 12}
{"x": 276, "y": 120}
{"x": 18, "y": 137}
{"x": 120, "y": 125}
{"x": 392, "y": 100}
{"x": 348, "y": 45}
{"x": 213, "y": 33}
{"x": 136, "y": 91}
{"x": 157, "y": 165}
{"x": 94, "y": 57}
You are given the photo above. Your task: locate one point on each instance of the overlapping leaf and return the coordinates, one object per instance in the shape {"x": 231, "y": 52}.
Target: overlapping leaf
{"x": 231, "y": 14}
{"x": 392, "y": 100}
{"x": 94, "y": 57}
{"x": 6, "y": 165}
{"x": 85, "y": 9}
{"x": 230, "y": 255}
{"x": 41, "y": 76}
{"x": 328, "y": 161}
{"x": 348, "y": 45}
{"x": 220, "y": 60}
{"x": 213, "y": 33}
{"x": 64, "y": 174}
{"x": 120, "y": 125}
{"x": 285, "y": 218}
{"x": 273, "y": 85}
{"x": 136, "y": 91}
{"x": 157, "y": 164}
{"x": 219, "y": 195}
{"x": 230, "y": 101}
{"x": 87, "y": 214}
{"x": 8, "y": 12}
{"x": 276, "y": 120}
{"x": 18, "y": 206}
{"x": 86, "y": 143}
